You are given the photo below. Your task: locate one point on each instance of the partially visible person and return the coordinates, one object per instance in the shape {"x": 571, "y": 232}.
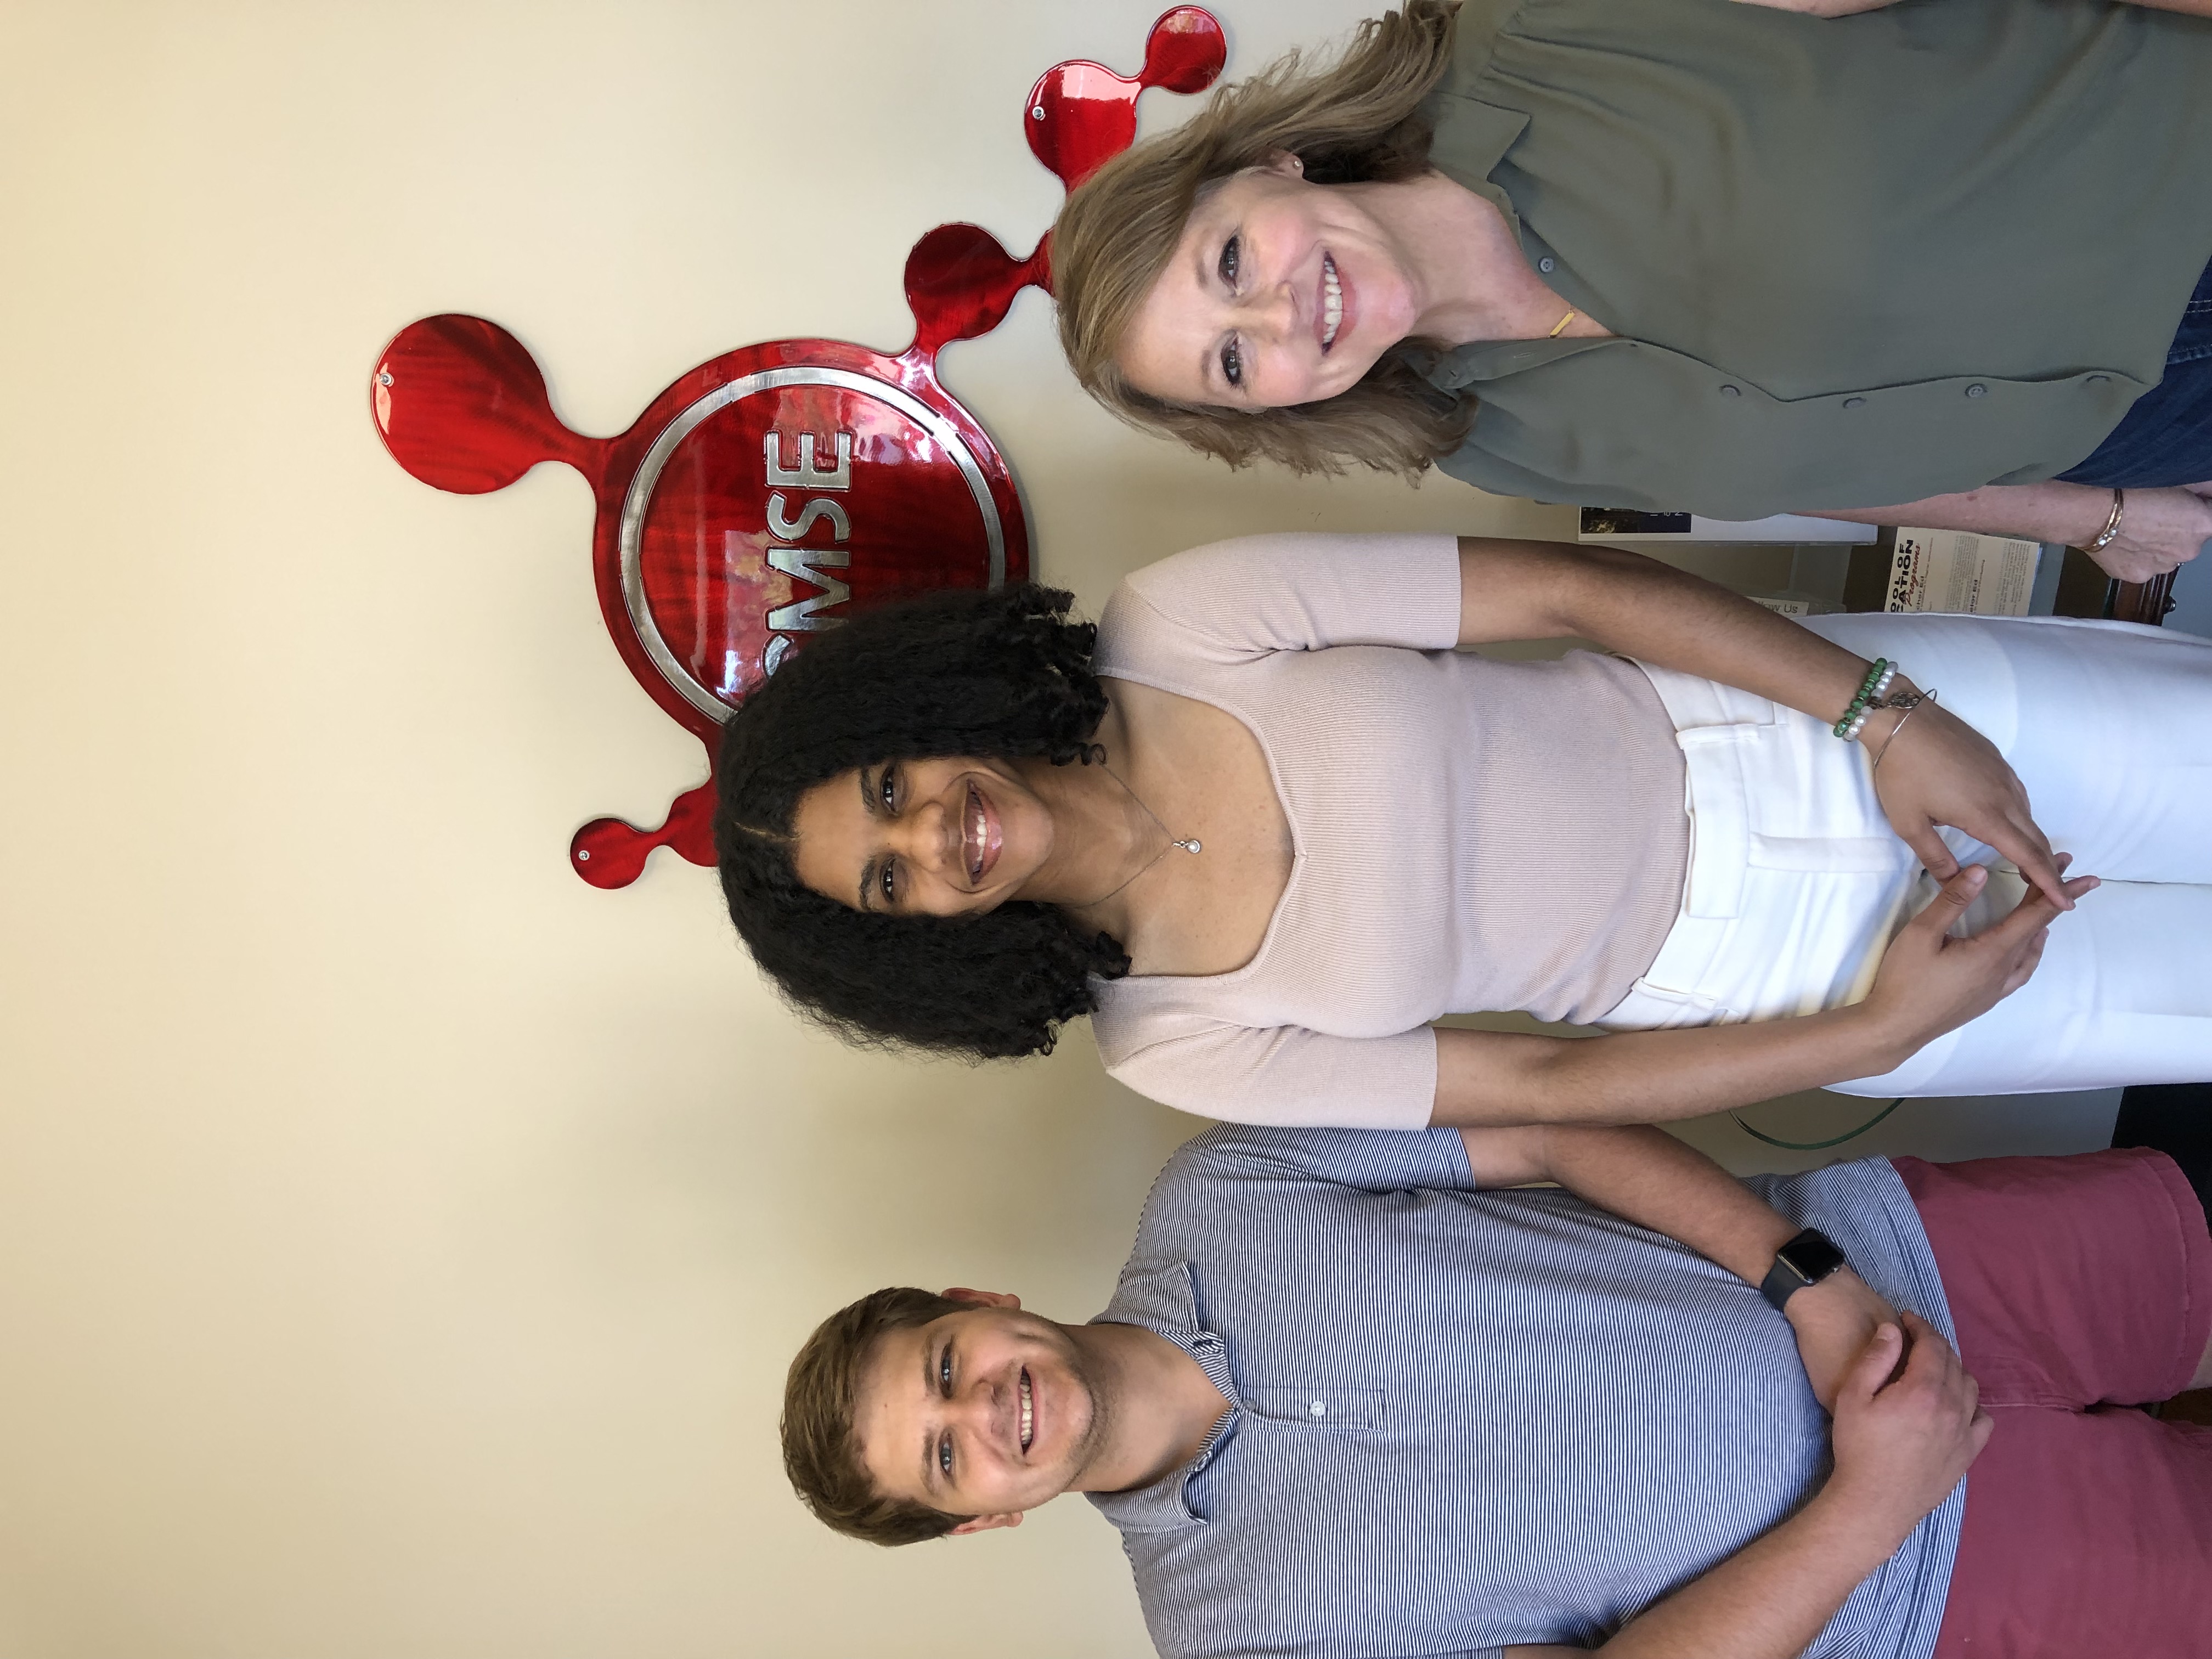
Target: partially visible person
{"x": 1944, "y": 264}
{"x": 1348, "y": 1400}
{"x": 1269, "y": 823}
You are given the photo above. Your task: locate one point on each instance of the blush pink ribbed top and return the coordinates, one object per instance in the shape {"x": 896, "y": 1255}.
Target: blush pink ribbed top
{"x": 1470, "y": 835}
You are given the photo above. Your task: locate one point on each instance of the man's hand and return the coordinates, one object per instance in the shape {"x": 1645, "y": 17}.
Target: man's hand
{"x": 1930, "y": 984}
{"x": 1903, "y": 1441}
{"x": 1835, "y": 1320}
{"x": 1901, "y": 1445}
{"x": 1934, "y": 769}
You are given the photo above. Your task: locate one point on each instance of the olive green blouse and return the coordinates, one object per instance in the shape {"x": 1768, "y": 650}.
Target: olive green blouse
{"x": 1851, "y": 262}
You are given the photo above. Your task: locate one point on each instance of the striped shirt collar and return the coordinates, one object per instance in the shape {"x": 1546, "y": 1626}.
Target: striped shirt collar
{"x": 1164, "y": 1301}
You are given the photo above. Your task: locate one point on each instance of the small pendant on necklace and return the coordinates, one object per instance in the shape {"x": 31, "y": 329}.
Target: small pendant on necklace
{"x": 1191, "y": 846}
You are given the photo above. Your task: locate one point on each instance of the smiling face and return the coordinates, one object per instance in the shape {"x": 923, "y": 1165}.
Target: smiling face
{"x": 949, "y": 836}
{"x": 1278, "y": 292}
{"x": 986, "y": 1412}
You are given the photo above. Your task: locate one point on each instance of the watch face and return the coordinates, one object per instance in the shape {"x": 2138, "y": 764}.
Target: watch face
{"x": 1812, "y": 1256}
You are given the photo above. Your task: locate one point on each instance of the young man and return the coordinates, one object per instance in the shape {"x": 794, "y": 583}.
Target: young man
{"x": 1346, "y": 1402}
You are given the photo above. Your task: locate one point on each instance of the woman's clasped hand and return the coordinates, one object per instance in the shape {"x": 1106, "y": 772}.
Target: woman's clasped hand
{"x": 1942, "y": 772}
{"x": 1932, "y": 981}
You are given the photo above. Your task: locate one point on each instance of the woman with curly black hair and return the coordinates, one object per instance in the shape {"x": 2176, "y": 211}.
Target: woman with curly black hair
{"x": 1265, "y": 822}
{"x": 959, "y": 672}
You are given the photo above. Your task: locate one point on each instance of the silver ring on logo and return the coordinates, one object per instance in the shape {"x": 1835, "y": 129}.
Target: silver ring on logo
{"x": 631, "y": 534}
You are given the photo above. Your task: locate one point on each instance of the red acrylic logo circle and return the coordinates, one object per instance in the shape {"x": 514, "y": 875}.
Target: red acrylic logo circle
{"x": 768, "y": 493}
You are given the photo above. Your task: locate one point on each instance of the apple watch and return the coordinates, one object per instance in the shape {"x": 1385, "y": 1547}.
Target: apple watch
{"x": 1805, "y": 1260}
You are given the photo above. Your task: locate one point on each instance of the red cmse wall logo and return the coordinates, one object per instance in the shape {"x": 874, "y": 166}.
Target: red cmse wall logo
{"x": 768, "y": 492}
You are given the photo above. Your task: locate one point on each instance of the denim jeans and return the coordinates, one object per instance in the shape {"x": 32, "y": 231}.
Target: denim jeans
{"x": 2167, "y": 437}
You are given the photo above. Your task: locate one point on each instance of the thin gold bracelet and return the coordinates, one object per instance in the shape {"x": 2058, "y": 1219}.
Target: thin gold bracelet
{"x": 2112, "y": 524}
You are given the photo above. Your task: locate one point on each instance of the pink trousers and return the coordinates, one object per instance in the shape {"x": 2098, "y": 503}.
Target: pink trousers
{"x": 2081, "y": 1287}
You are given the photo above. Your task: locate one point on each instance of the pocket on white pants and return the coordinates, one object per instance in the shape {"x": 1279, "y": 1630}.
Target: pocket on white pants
{"x": 1651, "y": 1007}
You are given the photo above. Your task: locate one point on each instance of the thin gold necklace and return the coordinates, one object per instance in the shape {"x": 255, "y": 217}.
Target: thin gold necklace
{"x": 1190, "y": 844}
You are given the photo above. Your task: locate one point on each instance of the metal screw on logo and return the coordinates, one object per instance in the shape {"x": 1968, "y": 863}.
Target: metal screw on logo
{"x": 767, "y": 491}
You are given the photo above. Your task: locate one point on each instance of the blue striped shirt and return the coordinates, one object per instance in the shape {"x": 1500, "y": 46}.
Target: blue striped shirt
{"x": 1460, "y": 1420}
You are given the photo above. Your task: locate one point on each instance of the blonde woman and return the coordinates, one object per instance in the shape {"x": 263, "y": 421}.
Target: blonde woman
{"x": 1941, "y": 263}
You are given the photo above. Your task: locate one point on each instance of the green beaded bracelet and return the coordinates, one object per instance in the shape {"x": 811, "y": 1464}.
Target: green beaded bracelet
{"x": 1865, "y": 698}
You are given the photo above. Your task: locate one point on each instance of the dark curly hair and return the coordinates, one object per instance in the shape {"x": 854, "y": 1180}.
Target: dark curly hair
{"x": 1001, "y": 675}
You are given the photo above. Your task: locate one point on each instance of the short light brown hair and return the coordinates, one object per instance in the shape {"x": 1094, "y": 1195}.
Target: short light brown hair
{"x": 1357, "y": 120}
{"x": 821, "y": 1452}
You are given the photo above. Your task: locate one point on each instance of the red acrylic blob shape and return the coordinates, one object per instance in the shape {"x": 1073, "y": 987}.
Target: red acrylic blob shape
{"x": 961, "y": 284}
{"x": 462, "y": 406}
{"x": 608, "y": 853}
{"x": 768, "y": 493}
{"x": 1083, "y": 115}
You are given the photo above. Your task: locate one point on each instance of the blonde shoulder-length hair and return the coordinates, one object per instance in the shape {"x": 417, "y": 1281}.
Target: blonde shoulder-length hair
{"x": 1356, "y": 120}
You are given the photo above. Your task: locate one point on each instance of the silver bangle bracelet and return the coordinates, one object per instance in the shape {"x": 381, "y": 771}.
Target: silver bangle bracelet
{"x": 1910, "y": 703}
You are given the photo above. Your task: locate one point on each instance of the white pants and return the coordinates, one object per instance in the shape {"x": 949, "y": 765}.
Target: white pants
{"x": 1796, "y": 883}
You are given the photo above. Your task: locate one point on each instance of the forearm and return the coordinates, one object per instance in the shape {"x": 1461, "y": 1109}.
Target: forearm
{"x": 1645, "y": 1175}
{"x": 1642, "y": 608}
{"x": 1489, "y": 1077}
{"x": 2069, "y": 512}
{"x": 1770, "y": 1599}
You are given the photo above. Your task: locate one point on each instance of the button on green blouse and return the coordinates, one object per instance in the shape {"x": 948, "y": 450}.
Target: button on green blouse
{"x": 1851, "y": 261}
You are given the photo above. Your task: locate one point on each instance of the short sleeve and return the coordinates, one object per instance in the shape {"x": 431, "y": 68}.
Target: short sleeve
{"x": 1282, "y": 1074}
{"x": 1371, "y": 1160}
{"x": 1232, "y": 601}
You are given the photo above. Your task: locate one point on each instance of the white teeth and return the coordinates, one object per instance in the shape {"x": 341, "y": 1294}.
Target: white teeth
{"x": 1029, "y": 1413}
{"x": 1332, "y": 302}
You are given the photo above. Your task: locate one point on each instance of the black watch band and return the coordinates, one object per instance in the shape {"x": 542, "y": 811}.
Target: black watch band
{"x": 1805, "y": 1260}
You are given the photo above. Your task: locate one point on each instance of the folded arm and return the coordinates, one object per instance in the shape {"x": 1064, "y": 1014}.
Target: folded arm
{"x": 1902, "y": 1441}
{"x": 1647, "y": 1177}
{"x": 1768, "y": 1601}
{"x": 1943, "y": 772}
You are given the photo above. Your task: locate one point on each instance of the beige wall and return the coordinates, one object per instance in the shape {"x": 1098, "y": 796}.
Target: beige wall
{"x": 400, "y": 1242}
